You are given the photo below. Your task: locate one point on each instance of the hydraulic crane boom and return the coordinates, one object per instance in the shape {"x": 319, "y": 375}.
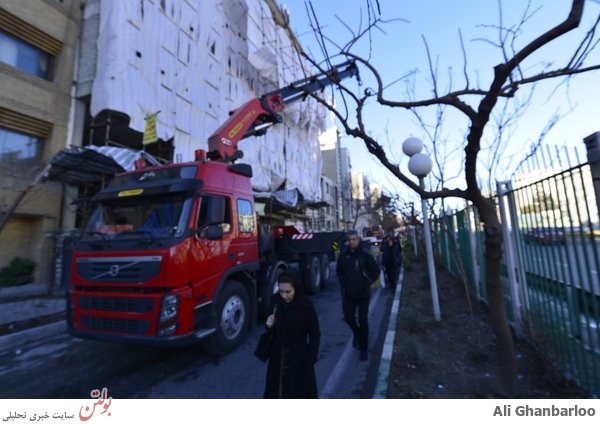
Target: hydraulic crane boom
{"x": 254, "y": 117}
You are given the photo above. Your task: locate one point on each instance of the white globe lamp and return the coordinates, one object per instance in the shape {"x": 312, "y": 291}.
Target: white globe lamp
{"x": 420, "y": 164}
{"x": 412, "y": 146}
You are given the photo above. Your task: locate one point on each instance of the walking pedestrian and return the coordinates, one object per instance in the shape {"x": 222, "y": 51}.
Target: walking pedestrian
{"x": 357, "y": 269}
{"x": 391, "y": 261}
{"x": 295, "y": 344}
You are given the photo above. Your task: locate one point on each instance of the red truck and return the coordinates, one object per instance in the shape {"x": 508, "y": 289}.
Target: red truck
{"x": 175, "y": 253}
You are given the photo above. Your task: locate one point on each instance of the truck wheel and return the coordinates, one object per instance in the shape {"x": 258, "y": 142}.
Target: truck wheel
{"x": 232, "y": 319}
{"x": 325, "y": 269}
{"x": 312, "y": 276}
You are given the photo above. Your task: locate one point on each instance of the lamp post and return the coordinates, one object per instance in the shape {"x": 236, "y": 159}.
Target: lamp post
{"x": 419, "y": 165}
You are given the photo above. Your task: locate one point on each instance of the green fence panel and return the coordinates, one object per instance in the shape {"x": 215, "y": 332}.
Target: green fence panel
{"x": 557, "y": 241}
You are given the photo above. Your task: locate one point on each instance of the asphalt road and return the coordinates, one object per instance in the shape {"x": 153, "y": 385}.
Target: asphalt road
{"x": 63, "y": 367}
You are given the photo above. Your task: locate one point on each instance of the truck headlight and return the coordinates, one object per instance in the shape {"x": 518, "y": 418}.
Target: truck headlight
{"x": 169, "y": 306}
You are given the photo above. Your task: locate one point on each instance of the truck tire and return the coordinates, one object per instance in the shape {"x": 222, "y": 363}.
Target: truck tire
{"x": 233, "y": 313}
{"x": 312, "y": 276}
{"x": 325, "y": 269}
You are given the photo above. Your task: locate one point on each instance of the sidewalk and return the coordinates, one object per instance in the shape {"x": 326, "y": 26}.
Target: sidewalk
{"x": 28, "y": 314}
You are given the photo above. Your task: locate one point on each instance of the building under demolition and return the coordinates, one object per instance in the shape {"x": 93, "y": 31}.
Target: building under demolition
{"x": 83, "y": 79}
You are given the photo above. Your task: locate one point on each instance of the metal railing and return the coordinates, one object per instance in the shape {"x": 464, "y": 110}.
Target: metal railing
{"x": 551, "y": 261}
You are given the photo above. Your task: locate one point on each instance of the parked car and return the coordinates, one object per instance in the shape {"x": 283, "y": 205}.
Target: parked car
{"x": 545, "y": 235}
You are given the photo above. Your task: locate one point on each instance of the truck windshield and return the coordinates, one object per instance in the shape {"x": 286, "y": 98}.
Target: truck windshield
{"x": 148, "y": 217}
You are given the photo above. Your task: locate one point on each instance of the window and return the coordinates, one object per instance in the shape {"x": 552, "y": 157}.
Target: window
{"x": 245, "y": 216}
{"x": 141, "y": 217}
{"x": 26, "y": 57}
{"x": 18, "y": 148}
{"x": 214, "y": 210}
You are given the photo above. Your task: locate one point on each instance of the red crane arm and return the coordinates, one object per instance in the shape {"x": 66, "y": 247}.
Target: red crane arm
{"x": 257, "y": 115}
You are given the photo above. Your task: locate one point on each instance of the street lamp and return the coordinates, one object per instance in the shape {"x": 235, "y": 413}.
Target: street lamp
{"x": 419, "y": 165}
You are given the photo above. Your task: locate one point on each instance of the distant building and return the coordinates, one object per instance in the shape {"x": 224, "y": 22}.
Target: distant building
{"x": 361, "y": 202}
{"x": 324, "y": 216}
{"x": 376, "y": 192}
{"x": 337, "y": 167}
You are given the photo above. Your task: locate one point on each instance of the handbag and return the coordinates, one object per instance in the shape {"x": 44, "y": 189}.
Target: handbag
{"x": 263, "y": 348}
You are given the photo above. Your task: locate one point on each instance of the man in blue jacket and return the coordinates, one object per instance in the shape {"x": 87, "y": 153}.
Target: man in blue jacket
{"x": 356, "y": 270}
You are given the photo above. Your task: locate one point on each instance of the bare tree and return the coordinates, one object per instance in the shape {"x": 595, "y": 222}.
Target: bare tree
{"x": 508, "y": 77}
{"x": 359, "y": 208}
{"x": 385, "y": 212}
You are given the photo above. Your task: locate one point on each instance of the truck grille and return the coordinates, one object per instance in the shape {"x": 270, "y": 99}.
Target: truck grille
{"x": 131, "y": 326}
{"x": 120, "y": 304}
{"x": 119, "y": 269}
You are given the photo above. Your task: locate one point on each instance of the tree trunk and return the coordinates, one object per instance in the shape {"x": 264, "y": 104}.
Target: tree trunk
{"x": 507, "y": 373}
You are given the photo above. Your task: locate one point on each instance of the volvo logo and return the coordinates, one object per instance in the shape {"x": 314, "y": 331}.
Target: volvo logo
{"x": 114, "y": 270}
{"x": 112, "y": 267}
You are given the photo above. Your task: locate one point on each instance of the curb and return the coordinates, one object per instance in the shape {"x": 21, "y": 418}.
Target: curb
{"x": 14, "y": 340}
{"x": 383, "y": 373}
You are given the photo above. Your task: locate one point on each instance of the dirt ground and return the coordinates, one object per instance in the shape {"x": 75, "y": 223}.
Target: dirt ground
{"x": 456, "y": 357}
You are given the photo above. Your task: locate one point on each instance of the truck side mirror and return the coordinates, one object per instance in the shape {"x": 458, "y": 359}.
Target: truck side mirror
{"x": 214, "y": 232}
{"x": 216, "y": 210}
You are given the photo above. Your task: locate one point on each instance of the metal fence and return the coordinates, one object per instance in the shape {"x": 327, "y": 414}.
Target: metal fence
{"x": 551, "y": 260}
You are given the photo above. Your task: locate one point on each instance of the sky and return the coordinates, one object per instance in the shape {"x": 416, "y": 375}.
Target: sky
{"x": 399, "y": 50}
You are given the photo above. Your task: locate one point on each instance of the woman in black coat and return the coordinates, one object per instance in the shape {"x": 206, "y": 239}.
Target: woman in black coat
{"x": 295, "y": 347}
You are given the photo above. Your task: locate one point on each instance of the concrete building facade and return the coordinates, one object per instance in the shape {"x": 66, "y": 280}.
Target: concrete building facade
{"x": 38, "y": 48}
{"x": 337, "y": 167}
{"x": 325, "y": 216}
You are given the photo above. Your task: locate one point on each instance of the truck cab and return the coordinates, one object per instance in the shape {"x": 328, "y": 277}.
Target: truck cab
{"x": 165, "y": 257}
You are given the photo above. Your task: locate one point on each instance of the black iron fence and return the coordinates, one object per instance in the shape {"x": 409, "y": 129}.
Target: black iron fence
{"x": 551, "y": 260}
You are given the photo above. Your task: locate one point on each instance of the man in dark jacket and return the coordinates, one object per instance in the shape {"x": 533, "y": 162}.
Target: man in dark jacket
{"x": 357, "y": 270}
{"x": 391, "y": 261}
